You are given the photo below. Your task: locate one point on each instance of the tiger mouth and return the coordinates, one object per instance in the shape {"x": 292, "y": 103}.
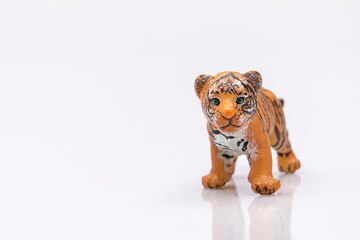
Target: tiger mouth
{"x": 228, "y": 125}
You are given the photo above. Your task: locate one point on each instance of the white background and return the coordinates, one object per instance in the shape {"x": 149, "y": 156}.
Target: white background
{"x": 102, "y": 136}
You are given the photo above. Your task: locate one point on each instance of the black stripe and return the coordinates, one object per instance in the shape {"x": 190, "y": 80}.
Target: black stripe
{"x": 286, "y": 154}
{"x": 227, "y": 156}
{"x": 281, "y": 144}
{"x": 239, "y": 142}
{"x": 211, "y": 135}
{"x": 245, "y": 146}
{"x": 277, "y": 133}
{"x": 216, "y": 132}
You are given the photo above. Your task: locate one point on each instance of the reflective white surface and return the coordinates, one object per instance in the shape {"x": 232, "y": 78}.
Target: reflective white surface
{"x": 102, "y": 136}
{"x": 270, "y": 216}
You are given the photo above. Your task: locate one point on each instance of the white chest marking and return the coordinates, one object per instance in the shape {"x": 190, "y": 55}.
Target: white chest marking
{"x": 235, "y": 145}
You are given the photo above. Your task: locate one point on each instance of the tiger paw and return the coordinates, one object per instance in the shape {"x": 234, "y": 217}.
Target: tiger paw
{"x": 288, "y": 163}
{"x": 265, "y": 185}
{"x": 213, "y": 181}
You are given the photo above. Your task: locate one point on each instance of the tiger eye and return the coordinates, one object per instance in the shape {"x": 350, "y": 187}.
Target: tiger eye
{"x": 240, "y": 100}
{"x": 215, "y": 101}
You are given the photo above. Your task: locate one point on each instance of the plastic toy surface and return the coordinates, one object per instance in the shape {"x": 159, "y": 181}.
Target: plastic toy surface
{"x": 244, "y": 118}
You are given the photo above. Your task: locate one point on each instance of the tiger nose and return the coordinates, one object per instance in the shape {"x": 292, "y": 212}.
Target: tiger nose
{"x": 228, "y": 113}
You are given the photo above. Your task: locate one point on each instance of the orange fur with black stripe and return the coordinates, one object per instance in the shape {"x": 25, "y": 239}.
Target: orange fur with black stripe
{"x": 244, "y": 119}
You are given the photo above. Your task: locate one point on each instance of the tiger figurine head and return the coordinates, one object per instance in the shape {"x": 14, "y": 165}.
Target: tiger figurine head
{"x": 244, "y": 119}
{"x": 229, "y": 99}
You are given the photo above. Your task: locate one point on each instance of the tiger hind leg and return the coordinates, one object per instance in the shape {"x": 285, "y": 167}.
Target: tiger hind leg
{"x": 287, "y": 161}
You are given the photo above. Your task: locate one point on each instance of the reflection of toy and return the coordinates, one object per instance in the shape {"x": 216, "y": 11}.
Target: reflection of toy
{"x": 270, "y": 216}
{"x": 227, "y": 218}
{"x": 245, "y": 119}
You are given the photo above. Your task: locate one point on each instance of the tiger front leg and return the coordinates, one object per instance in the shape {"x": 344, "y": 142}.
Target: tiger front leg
{"x": 223, "y": 167}
{"x": 260, "y": 176}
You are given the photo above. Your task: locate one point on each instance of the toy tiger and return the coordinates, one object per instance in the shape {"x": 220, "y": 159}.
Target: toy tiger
{"x": 244, "y": 118}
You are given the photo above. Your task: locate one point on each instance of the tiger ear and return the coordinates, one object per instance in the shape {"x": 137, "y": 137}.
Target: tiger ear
{"x": 200, "y": 82}
{"x": 254, "y": 78}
